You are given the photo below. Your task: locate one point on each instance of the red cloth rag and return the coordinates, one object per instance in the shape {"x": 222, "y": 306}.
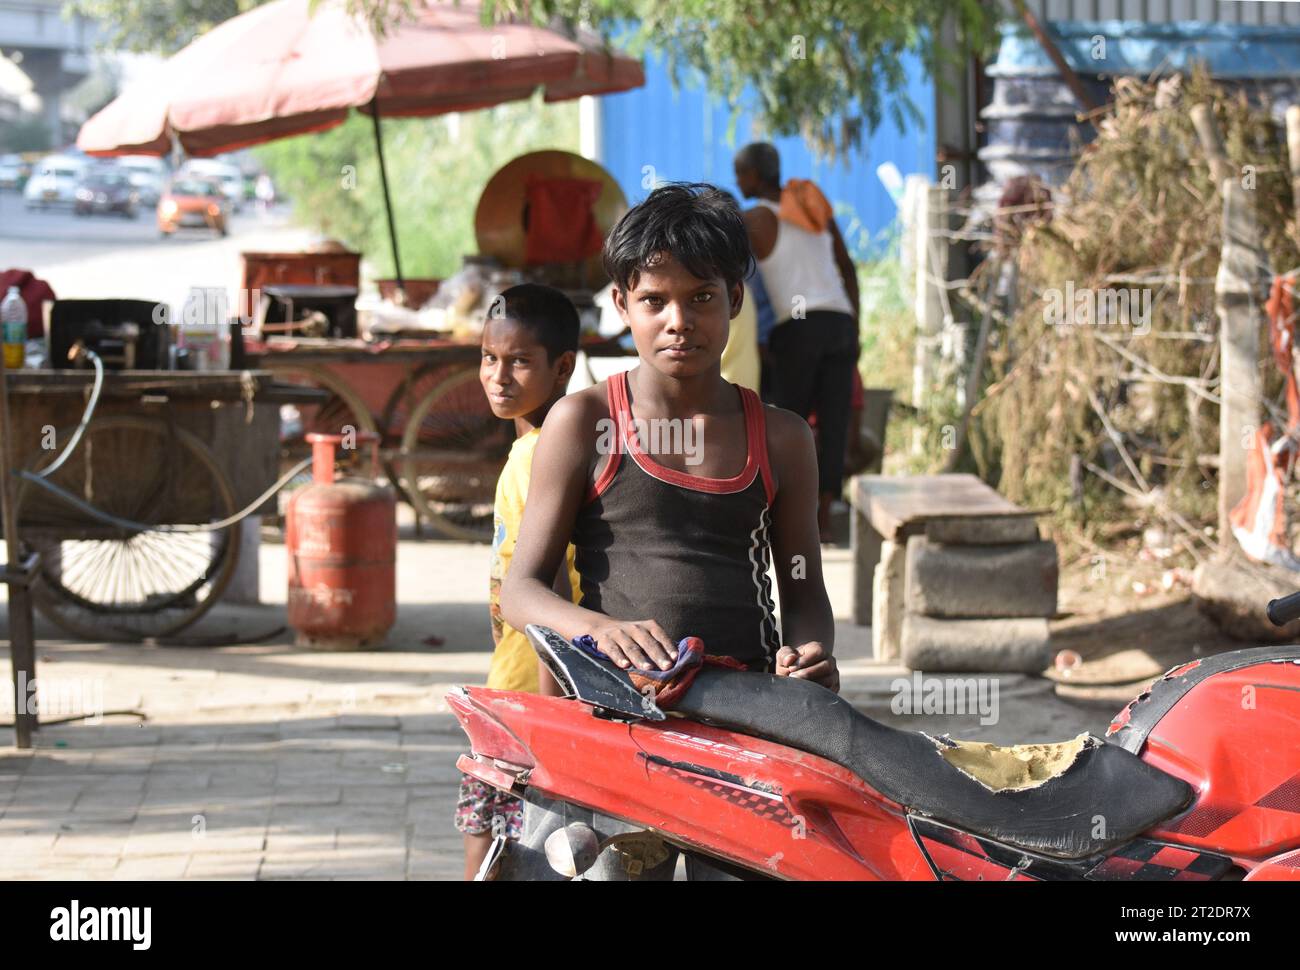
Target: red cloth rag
{"x": 561, "y": 224}
{"x": 667, "y": 692}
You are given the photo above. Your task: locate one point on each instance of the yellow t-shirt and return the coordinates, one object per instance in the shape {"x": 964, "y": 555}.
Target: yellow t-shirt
{"x": 740, "y": 360}
{"x": 514, "y": 663}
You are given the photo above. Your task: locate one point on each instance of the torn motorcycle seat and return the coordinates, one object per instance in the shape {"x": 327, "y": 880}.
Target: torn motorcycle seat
{"x": 1090, "y": 803}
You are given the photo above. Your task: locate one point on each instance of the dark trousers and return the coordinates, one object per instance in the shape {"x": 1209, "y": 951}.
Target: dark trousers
{"x": 812, "y": 371}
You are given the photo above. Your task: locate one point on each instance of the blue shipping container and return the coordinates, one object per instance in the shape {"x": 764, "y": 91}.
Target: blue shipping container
{"x": 681, "y": 135}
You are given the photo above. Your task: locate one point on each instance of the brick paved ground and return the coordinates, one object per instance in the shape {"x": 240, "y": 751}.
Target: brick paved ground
{"x": 358, "y": 797}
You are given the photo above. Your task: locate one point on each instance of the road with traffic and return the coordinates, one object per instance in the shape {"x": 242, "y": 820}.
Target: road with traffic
{"x": 103, "y": 256}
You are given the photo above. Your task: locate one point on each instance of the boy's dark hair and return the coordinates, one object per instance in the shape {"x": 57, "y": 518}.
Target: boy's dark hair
{"x": 761, "y": 158}
{"x": 543, "y": 311}
{"x": 698, "y": 224}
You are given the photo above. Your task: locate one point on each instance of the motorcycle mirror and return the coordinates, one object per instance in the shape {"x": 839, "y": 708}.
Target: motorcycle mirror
{"x": 572, "y": 850}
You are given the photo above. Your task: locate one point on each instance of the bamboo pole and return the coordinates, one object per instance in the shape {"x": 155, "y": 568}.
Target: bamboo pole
{"x": 1293, "y": 153}
{"x": 1240, "y": 324}
{"x": 1207, "y": 130}
{"x": 1054, "y": 53}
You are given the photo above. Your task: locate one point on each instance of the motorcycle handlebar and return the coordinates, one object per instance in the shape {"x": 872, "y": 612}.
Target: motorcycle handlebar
{"x": 1282, "y": 611}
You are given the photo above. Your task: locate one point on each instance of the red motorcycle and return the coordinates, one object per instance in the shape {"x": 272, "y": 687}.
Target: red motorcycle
{"x": 773, "y": 777}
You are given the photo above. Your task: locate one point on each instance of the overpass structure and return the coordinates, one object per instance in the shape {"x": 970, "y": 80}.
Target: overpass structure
{"x": 51, "y": 48}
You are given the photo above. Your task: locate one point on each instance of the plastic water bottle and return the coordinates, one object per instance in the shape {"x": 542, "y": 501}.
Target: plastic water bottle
{"x": 13, "y": 317}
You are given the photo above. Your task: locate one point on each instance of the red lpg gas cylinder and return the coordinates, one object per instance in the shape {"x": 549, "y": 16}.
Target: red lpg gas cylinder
{"x": 342, "y": 542}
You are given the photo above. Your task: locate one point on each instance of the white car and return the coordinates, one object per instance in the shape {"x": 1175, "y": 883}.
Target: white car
{"x": 148, "y": 176}
{"x": 11, "y": 171}
{"x": 54, "y": 182}
{"x": 230, "y": 177}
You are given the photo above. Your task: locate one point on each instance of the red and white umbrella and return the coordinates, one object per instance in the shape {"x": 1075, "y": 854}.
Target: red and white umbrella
{"x": 282, "y": 69}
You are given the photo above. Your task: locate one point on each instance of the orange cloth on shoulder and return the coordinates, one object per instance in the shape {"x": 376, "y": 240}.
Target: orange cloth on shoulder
{"x": 804, "y": 205}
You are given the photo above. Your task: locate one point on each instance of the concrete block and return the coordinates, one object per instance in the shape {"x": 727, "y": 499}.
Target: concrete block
{"x": 981, "y": 582}
{"x": 984, "y": 530}
{"x": 1020, "y": 645}
{"x": 887, "y": 601}
{"x": 865, "y": 542}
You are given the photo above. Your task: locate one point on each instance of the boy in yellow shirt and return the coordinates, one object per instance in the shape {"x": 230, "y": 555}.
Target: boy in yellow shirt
{"x": 530, "y": 344}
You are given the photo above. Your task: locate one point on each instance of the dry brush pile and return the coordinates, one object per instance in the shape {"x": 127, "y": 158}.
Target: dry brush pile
{"x": 1117, "y": 406}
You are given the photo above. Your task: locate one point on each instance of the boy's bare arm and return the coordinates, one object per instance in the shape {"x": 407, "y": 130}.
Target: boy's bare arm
{"x": 557, "y": 487}
{"x": 807, "y": 624}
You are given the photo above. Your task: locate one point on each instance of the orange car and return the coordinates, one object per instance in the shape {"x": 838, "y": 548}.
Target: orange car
{"x": 192, "y": 202}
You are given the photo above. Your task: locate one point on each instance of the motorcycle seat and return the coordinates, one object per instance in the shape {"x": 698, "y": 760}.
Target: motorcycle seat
{"x": 1105, "y": 797}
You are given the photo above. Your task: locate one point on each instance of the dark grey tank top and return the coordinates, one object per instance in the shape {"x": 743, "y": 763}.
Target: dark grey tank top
{"x": 691, "y": 553}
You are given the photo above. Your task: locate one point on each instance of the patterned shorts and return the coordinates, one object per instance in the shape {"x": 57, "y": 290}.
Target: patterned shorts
{"x": 480, "y": 806}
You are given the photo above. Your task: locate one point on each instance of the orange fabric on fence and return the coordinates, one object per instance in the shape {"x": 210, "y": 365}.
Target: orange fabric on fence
{"x": 561, "y": 222}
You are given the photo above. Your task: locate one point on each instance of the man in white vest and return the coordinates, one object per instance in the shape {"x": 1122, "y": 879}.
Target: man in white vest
{"x": 813, "y": 286}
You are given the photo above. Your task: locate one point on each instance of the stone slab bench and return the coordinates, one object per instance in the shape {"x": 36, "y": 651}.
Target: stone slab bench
{"x": 978, "y": 563}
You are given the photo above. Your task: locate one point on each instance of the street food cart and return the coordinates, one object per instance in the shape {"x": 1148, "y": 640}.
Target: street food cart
{"x": 441, "y": 446}
{"x": 161, "y": 448}
{"x": 439, "y": 58}
{"x": 419, "y": 388}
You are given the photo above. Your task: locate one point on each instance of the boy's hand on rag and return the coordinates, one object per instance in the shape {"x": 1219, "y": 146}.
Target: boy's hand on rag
{"x": 809, "y": 661}
{"x": 635, "y": 643}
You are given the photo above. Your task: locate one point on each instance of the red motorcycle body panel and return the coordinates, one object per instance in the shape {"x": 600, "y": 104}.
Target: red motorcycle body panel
{"x": 758, "y": 804}
{"x": 1235, "y": 737}
{"x": 1230, "y": 728}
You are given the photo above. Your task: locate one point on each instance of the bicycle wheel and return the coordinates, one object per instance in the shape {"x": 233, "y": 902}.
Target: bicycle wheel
{"x": 453, "y": 450}
{"x": 104, "y": 582}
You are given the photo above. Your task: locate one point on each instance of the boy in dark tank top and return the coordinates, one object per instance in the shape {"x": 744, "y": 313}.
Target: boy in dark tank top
{"x": 677, "y": 488}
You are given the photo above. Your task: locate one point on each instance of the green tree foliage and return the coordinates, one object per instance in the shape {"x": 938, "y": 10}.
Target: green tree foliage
{"x": 165, "y": 26}
{"x": 825, "y": 69}
{"x": 435, "y": 179}
{"x": 157, "y": 26}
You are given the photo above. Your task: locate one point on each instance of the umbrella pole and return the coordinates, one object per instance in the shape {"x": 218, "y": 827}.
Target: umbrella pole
{"x": 388, "y": 202}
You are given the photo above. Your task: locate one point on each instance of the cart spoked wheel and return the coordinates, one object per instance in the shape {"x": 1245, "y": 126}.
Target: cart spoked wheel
{"x": 343, "y": 409}
{"x": 399, "y": 407}
{"x": 108, "y": 582}
{"x": 453, "y": 449}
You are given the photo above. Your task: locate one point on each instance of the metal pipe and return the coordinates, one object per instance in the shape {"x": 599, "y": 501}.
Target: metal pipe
{"x": 388, "y": 202}
{"x": 1053, "y": 52}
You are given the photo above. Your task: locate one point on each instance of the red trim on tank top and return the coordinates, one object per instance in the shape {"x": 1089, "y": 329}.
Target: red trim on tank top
{"x": 614, "y": 395}
{"x": 755, "y": 448}
{"x": 756, "y": 428}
